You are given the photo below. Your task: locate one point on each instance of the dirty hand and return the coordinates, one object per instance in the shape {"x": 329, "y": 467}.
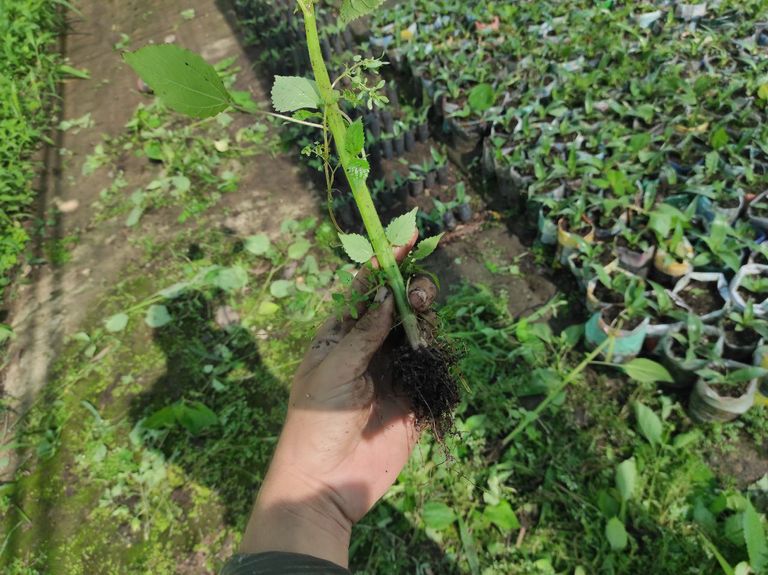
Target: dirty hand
{"x": 346, "y": 436}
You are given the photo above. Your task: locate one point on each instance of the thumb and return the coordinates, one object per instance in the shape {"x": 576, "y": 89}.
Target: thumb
{"x": 350, "y": 358}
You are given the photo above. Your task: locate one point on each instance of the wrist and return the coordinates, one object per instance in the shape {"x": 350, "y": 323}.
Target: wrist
{"x": 298, "y": 515}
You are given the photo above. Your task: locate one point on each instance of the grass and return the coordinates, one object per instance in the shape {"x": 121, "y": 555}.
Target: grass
{"x": 94, "y": 472}
{"x": 101, "y": 490}
{"x": 29, "y": 71}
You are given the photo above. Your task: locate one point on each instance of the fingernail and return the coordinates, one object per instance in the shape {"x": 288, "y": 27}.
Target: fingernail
{"x": 381, "y": 295}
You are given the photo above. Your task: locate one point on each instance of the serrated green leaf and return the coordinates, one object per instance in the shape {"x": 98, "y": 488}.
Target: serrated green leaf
{"x": 357, "y": 247}
{"x": 426, "y": 247}
{"x": 116, "y": 323}
{"x": 354, "y": 9}
{"x": 358, "y": 168}
{"x": 299, "y": 249}
{"x": 258, "y": 245}
{"x": 647, "y": 371}
{"x": 616, "y": 534}
{"x": 157, "y": 316}
{"x": 754, "y": 535}
{"x": 438, "y": 516}
{"x": 626, "y": 478}
{"x": 291, "y": 93}
{"x": 649, "y": 423}
{"x": 401, "y": 229}
{"x": 181, "y": 79}
{"x": 355, "y": 138}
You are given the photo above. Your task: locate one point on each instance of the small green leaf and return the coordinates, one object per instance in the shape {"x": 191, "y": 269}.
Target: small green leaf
{"x": 616, "y": 534}
{"x": 502, "y": 516}
{"x": 116, "y": 323}
{"x": 438, "y": 516}
{"x": 157, "y": 316}
{"x": 134, "y": 216}
{"x": 400, "y": 230}
{"x": 754, "y": 535}
{"x": 646, "y": 371}
{"x": 258, "y": 245}
{"x": 195, "y": 417}
{"x": 355, "y": 139}
{"x": 291, "y": 93}
{"x": 426, "y": 247}
{"x": 75, "y": 72}
{"x": 354, "y": 9}
{"x": 299, "y": 249}
{"x": 626, "y": 478}
{"x": 181, "y": 79}
{"x": 481, "y": 98}
{"x": 357, "y": 247}
{"x": 649, "y": 423}
{"x": 719, "y": 138}
{"x": 358, "y": 169}
{"x": 230, "y": 279}
{"x": 188, "y": 14}
{"x": 762, "y": 92}
{"x": 281, "y": 288}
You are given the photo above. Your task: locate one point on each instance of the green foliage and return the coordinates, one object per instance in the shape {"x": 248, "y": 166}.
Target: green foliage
{"x": 426, "y": 247}
{"x": 291, "y": 93}
{"x": 194, "y": 416}
{"x": 755, "y": 538}
{"x": 481, "y": 97}
{"x": 647, "y": 371}
{"x": 649, "y": 423}
{"x": 181, "y": 79}
{"x": 355, "y": 140}
{"x": 357, "y": 247}
{"x": 354, "y": 9}
{"x": 401, "y": 229}
{"x": 616, "y": 534}
{"x": 29, "y": 71}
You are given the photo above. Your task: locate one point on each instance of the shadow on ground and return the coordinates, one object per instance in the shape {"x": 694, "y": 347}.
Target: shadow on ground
{"x": 220, "y": 366}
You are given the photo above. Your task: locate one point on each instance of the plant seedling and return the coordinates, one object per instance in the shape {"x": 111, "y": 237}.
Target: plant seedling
{"x": 187, "y": 84}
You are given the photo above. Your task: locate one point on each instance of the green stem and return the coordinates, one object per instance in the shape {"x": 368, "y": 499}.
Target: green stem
{"x": 362, "y": 196}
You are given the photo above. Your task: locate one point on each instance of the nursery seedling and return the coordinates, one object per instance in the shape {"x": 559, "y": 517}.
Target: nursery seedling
{"x": 187, "y": 84}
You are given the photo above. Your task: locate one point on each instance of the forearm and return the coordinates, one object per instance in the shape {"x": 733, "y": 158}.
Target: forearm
{"x": 297, "y": 515}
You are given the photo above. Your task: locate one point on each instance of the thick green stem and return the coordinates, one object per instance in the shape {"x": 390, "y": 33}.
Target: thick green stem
{"x": 362, "y": 196}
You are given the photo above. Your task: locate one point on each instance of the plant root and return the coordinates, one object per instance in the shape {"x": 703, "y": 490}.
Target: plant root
{"x": 426, "y": 375}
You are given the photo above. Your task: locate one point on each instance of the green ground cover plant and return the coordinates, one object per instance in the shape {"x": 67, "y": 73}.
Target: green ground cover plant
{"x": 29, "y": 71}
{"x": 161, "y": 414}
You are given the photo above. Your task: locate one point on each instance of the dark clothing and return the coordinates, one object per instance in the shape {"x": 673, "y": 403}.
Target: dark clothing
{"x": 278, "y": 563}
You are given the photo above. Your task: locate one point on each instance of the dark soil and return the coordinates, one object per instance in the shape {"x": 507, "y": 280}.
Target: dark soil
{"x": 729, "y": 202}
{"x": 741, "y": 338}
{"x": 612, "y": 314}
{"x": 607, "y": 295}
{"x": 730, "y": 389}
{"x": 427, "y": 376}
{"x": 702, "y": 297}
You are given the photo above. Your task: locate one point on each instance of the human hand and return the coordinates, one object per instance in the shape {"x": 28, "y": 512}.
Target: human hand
{"x": 346, "y": 437}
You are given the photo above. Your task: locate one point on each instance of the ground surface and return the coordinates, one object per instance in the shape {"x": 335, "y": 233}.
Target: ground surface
{"x": 53, "y": 300}
{"x": 89, "y": 475}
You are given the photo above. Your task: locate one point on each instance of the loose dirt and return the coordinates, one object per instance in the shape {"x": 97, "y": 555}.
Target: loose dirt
{"x": 50, "y": 303}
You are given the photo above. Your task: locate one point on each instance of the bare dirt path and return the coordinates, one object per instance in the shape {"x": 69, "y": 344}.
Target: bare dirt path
{"x": 51, "y": 301}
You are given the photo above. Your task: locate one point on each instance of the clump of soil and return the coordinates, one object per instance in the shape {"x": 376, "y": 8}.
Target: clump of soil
{"x": 426, "y": 375}
{"x": 702, "y": 297}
